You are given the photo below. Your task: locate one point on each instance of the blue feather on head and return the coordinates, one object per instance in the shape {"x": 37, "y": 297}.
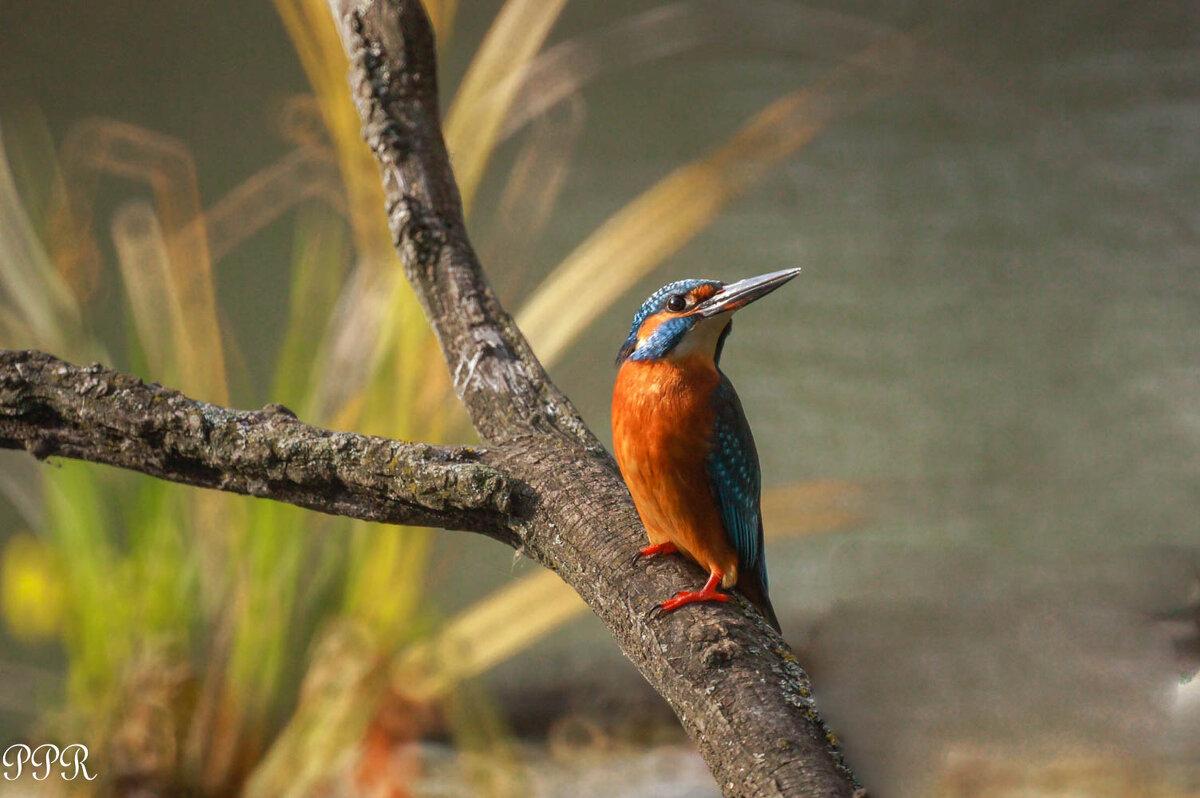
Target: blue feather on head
{"x": 670, "y": 332}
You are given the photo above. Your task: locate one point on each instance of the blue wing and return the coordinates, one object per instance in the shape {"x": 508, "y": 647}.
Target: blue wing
{"x": 736, "y": 483}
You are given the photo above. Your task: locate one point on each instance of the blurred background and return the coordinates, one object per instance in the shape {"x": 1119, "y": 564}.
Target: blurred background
{"x": 978, "y": 409}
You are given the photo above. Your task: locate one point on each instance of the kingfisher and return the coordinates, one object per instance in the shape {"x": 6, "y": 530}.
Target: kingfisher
{"x": 682, "y": 440}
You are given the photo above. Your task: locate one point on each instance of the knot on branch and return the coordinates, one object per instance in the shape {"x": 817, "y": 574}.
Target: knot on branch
{"x": 717, "y": 648}
{"x": 418, "y": 230}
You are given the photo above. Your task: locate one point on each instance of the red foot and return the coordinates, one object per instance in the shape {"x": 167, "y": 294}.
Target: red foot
{"x": 655, "y": 550}
{"x": 706, "y": 593}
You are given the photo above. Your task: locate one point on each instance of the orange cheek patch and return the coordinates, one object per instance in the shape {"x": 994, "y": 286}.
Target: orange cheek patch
{"x": 651, "y": 324}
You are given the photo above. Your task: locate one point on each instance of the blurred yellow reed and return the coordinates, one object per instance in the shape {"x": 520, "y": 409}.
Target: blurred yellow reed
{"x": 341, "y": 686}
{"x": 812, "y": 508}
{"x": 97, "y": 147}
{"x": 38, "y": 305}
{"x": 303, "y": 174}
{"x": 492, "y": 81}
{"x": 530, "y": 193}
{"x": 441, "y": 16}
{"x": 490, "y": 631}
{"x": 142, "y": 258}
{"x": 317, "y": 43}
{"x": 660, "y": 222}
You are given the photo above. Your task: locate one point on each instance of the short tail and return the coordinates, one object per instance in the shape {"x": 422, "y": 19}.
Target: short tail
{"x": 752, "y": 588}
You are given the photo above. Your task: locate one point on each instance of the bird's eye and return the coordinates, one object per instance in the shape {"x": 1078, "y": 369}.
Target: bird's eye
{"x": 676, "y": 303}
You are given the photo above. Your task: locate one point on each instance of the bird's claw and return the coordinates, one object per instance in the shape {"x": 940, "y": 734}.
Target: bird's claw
{"x": 653, "y": 550}
{"x": 683, "y": 598}
{"x": 660, "y": 609}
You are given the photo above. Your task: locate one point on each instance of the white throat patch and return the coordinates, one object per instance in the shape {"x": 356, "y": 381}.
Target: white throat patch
{"x": 702, "y": 339}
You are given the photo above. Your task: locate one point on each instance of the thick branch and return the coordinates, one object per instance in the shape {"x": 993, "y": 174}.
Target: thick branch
{"x": 49, "y": 407}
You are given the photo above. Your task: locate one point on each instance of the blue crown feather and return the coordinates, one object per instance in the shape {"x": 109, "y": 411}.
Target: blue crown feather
{"x": 672, "y": 331}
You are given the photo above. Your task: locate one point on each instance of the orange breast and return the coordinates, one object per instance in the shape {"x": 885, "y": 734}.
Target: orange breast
{"x": 662, "y": 422}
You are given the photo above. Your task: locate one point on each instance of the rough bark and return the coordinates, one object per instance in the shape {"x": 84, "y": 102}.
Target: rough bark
{"x": 49, "y": 407}
{"x": 545, "y": 484}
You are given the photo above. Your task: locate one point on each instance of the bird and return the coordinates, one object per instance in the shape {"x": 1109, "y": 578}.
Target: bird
{"x": 682, "y": 442}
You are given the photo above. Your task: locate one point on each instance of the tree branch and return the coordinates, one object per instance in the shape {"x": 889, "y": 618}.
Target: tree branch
{"x": 545, "y": 486}
{"x": 737, "y": 688}
{"x": 49, "y": 407}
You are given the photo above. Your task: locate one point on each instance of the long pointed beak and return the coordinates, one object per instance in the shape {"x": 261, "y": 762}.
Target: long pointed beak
{"x": 743, "y": 292}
